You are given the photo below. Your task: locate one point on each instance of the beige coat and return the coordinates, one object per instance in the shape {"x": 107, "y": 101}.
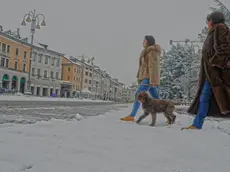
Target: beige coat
{"x": 149, "y": 65}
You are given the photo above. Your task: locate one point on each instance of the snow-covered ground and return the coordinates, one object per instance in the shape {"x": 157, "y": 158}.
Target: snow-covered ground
{"x": 105, "y": 144}
{"x": 34, "y": 98}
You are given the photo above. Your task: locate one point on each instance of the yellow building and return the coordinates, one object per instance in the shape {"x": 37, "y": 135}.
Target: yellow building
{"x": 71, "y": 73}
{"x": 14, "y": 61}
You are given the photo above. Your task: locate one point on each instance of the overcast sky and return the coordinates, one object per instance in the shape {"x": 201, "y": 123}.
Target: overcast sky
{"x": 110, "y": 30}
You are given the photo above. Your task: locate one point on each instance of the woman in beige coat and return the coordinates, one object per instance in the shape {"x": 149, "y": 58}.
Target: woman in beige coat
{"x": 148, "y": 74}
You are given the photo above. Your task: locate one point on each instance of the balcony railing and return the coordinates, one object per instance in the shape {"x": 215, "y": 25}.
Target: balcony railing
{"x": 4, "y": 53}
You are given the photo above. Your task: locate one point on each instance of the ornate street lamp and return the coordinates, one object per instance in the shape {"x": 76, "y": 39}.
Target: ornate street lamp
{"x": 33, "y": 18}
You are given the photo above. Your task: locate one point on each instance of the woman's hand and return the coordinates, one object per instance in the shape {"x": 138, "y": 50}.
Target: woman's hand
{"x": 228, "y": 64}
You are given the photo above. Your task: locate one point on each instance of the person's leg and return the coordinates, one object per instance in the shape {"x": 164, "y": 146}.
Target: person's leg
{"x": 153, "y": 91}
{"x": 142, "y": 87}
{"x": 136, "y": 104}
{"x": 203, "y": 108}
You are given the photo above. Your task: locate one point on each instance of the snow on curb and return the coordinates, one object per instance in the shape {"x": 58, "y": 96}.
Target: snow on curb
{"x": 32, "y": 98}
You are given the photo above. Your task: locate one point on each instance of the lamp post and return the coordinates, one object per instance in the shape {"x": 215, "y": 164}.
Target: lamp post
{"x": 33, "y": 18}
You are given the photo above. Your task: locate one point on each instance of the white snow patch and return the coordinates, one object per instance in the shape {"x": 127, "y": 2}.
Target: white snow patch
{"x": 79, "y": 117}
{"x": 104, "y": 143}
{"x": 19, "y": 94}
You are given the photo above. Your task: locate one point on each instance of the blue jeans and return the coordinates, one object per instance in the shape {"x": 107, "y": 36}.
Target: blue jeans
{"x": 204, "y": 103}
{"x": 152, "y": 90}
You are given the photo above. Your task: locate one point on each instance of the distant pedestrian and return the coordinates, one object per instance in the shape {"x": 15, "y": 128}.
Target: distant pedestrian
{"x": 148, "y": 74}
{"x": 213, "y": 95}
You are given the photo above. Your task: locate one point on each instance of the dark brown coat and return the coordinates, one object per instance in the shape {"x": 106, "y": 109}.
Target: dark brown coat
{"x": 215, "y": 54}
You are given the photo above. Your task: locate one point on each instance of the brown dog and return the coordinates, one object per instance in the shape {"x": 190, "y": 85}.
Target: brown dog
{"x": 154, "y": 106}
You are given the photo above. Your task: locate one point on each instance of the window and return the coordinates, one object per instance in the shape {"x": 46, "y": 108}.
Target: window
{"x": 89, "y": 88}
{"x": 33, "y": 71}
{"x": 52, "y": 61}
{"x": 17, "y": 52}
{"x": 86, "y": 73}
{"x": 87, "y": 68}
{"x": 34, "y": 57}
{"x": 74, "y": 78}
{"x": 7, "y": 63}
{"x": 67, "y": 77}
{"x": 68, "y": 68}
{"x": 8, "y": 48}
{"x": 74, "y": 69}
{"x": 2, "y": 62}
{"x": 38, "y": 72}
{"x": 3, "y": 47}
{"x": 90, "y": 69}
{"x": 40, "y": 58}
{"x": 46, "y": 59}
{"x": 58, "y": 62}
{"x": 25, "y": 54}
{"x": 57, "y": 75}
{"x": 16, "y": 66}
{"x": 45, "y": 74}
{"x": 86, "y": 80}
{"x": 24, "y": 67}
{"x": 52, "y": 74}
{"x": 89, "y": 81}
{"x": 90, "y": 74}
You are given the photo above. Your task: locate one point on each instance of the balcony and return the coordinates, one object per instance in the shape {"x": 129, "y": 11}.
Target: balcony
{"x": 4, "y": 53}
{"x": 16, "y": 57}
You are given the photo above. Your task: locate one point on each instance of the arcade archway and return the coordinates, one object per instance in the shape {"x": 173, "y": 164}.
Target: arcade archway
{"x": 5, "y": 81}
{"x": 14, "y": 83}
{"x": 22, "y": 85}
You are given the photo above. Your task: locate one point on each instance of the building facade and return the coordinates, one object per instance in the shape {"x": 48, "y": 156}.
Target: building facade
{"x": 97, "y": 83}
{"x": 71, "y": 72}
{"x": 120, "y": 88}
{"x": 107, "y": 86}
{"x": 114, "y": 89}
{"x": 46, "y": 67}
{"x": 126, "y": 94}
{"x": 14, "y": 61}
{"x": 87, "y": 69}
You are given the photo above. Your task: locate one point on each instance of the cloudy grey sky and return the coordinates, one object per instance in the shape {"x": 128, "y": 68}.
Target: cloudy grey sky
{"x": 110, "y": 30}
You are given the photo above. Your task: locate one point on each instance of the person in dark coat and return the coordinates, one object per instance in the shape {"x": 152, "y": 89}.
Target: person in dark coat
{"x": 213, "y": 95}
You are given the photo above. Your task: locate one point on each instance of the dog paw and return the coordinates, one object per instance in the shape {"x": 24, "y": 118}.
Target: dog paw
{"x": 138, "y": 121}
{"x": 151, "y": 125}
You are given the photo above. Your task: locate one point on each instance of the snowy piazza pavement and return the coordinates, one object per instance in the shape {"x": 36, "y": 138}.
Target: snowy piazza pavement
{"x": 91, "y": 138}
{"x": 29, "y": 110}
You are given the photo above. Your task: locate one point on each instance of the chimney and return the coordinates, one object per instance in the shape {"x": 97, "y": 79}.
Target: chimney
{"x": 18, "y": 32}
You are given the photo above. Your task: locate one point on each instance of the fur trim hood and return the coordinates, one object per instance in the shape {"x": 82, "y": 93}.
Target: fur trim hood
{"x": 156, "y": 48}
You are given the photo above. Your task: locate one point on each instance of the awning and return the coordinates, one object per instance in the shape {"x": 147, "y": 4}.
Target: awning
{"x": 22, "y": 81}
{"x": 5, "y": 78}
{"x": 14, "y": 78}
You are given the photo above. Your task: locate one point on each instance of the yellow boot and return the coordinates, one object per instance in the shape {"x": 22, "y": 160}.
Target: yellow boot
{"x": 128, "y": 118}
{"x": 191, "y": 127}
